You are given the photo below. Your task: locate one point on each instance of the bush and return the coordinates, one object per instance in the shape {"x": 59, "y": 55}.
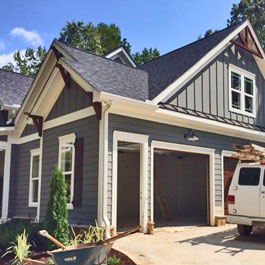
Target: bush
{"x": 56, "y": 221}
{"x": 11, "y": 229}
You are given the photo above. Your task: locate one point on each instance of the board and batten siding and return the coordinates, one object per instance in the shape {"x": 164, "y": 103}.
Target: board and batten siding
{"x": 172, "y": 134}
{"x": 70, "y": 100}
{"x": 208, "y": 91}
{"x": 88, "y": 128}
{"x": 19, "y": 181}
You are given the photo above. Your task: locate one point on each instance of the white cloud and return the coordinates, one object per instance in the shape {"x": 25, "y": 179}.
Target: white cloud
{"x": 6, "y": 58}
{"x": 2, "y": 46}
{"x": 31, "y": 37}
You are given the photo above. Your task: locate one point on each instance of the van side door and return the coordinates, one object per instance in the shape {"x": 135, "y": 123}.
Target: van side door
{"x": 247, "y": 192}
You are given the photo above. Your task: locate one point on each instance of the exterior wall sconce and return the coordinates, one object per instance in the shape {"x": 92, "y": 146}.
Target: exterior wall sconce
{"x": 190, "y": 136}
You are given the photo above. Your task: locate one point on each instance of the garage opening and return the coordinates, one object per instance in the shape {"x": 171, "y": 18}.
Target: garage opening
{"x": 229, "y": 169}
{"x": 2, "y": 165}
{"x": 128, "y": 200}
{"x": 180, "y": 188}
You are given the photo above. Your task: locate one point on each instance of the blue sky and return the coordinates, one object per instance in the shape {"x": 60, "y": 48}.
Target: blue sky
{"x": 166, "y": 25}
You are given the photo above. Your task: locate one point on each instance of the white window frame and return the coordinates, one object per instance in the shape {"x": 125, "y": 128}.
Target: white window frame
{"x": 66, "y": 139}
{"x": 33, "y": 152}
{"x": 243, "y": 73}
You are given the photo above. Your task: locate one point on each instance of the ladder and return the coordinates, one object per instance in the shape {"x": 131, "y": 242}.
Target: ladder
{"x": 162, "y": 200}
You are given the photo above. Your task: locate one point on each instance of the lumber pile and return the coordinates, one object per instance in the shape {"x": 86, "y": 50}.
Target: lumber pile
{"x": 250, "y": 153}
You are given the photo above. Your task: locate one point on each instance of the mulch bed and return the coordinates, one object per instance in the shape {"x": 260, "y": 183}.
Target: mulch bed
{"x": 42, "y": 257}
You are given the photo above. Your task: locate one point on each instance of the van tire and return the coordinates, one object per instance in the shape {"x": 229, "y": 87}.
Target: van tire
{"x": 244, "y": 230}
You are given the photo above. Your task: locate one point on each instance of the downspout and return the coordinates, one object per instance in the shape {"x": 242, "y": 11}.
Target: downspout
{"x": 106, "y": 109}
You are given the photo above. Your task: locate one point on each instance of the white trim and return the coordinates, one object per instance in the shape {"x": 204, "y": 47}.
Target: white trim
{"x": 40, "y": 179}
{"x": 173, "y": 87}
{"x": 6, "y": 181}
{"x": 33, "y": 152}
{"x": 71, "y": 117}
{"x": 65, "y": 139}
{"x": 224, "y": 154}
{"x": 25, "y": 139}
{"x": 243, "y": 73}
{"x": 143, "y": 141}
{"x": 116, "y": 52}
{"x": 191, "y": 149}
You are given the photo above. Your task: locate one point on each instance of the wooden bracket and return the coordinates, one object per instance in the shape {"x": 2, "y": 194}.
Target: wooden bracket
{"x": 65, "y": 75}
{"x": 98, "y": 109}
{"x": 38, "y": 122}
{"x": 248, "y": 42}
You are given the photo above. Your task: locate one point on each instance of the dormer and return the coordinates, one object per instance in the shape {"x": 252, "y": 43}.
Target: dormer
{"x": 121, "y": 56}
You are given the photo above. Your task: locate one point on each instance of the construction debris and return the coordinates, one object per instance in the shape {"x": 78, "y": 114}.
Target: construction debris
{"x": 250, "y": 153}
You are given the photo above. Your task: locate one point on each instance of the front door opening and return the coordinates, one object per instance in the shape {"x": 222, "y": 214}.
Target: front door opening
{"x": 128, "y": 200}
{"x": 180, "y": 188}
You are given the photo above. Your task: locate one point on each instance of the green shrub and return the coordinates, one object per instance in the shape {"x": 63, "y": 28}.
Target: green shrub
{"x": 113, "y": 260}
{"x": 11, "y": 229}
{"x": 56, "y": 221}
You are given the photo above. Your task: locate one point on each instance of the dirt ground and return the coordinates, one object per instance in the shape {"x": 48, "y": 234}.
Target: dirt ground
{"x": 196, "y": 246}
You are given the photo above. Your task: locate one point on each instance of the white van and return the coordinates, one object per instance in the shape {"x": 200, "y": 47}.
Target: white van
{"x": 246, "y": 199}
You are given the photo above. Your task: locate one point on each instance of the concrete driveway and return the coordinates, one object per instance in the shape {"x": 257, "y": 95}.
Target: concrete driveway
{"x": 195, "y": 245}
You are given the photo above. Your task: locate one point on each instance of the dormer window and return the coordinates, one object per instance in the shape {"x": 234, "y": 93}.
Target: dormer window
{"x": 241, "y": 91}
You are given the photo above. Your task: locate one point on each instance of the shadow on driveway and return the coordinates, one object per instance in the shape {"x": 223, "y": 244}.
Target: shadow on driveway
{"x": 230, "y": 242}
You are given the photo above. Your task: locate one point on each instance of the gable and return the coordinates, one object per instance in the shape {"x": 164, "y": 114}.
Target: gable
{"x": 70, "y": 100}
{"x": 208, "y": 91}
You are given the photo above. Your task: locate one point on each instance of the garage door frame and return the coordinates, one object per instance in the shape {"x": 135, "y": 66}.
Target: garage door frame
{"x": 190, "y": 149}
{"x": 143, "y": 141}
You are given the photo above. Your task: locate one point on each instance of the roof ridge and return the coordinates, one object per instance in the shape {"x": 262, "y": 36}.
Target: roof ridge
{"x": 192, "y": 43}
{"x": 101, "y": 56}
{"x": 8, "y": 71}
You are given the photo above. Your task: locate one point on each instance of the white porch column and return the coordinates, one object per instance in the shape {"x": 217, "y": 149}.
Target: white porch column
{"x": 6, "y": 181}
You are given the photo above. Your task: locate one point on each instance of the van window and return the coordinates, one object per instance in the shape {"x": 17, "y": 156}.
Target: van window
{"x": 249, "y": 176}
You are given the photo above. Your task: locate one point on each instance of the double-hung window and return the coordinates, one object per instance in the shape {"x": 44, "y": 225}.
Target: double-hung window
{"x": 34, "y": 178}
{"x": 66, "y": 164}
{"x": 242, "y": 91}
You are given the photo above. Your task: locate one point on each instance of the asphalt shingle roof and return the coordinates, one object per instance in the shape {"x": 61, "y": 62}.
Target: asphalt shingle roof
{"x": 166, "y": 69}
{"x": 13, "y": 87}
{"x": 107, "y": 75}
{"x": 146, "y": 81}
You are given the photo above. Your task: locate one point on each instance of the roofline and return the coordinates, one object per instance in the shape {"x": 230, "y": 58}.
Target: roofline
{"x": 8, "y": 71}
{"x": 178, "y": 83}
{"x": 121, "y": 49}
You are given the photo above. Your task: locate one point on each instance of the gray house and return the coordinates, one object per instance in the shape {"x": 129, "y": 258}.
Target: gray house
{"x": 136, "y": 144}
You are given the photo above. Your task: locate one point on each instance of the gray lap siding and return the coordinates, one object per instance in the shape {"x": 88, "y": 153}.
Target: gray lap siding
{"x": 173, "y": 134}
{"x": 19, "y": 181}
{"x": 87, "y": 128}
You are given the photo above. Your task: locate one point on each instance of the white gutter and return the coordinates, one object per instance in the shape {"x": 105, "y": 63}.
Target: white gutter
{"x": 105, "y": 120}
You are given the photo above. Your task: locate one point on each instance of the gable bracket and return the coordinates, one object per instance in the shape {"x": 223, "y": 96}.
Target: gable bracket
{"x": 65, "y": 75}
{"x": 38, "y": 122}
{"x": 247, "y": 42}
{"x": 98, "y": 109}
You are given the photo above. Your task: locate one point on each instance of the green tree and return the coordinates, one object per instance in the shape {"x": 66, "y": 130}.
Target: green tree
{"x": 254, "y": 10}
{"x": 28, "y": 63}
{"x": 145, "y": 56}
{"x": 99, "y": 39}
{"x": 56, "y": 220}
{"x": 208, "y": 33}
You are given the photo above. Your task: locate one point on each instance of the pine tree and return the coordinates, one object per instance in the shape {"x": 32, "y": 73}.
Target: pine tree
{"x": 56, "y": 221}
